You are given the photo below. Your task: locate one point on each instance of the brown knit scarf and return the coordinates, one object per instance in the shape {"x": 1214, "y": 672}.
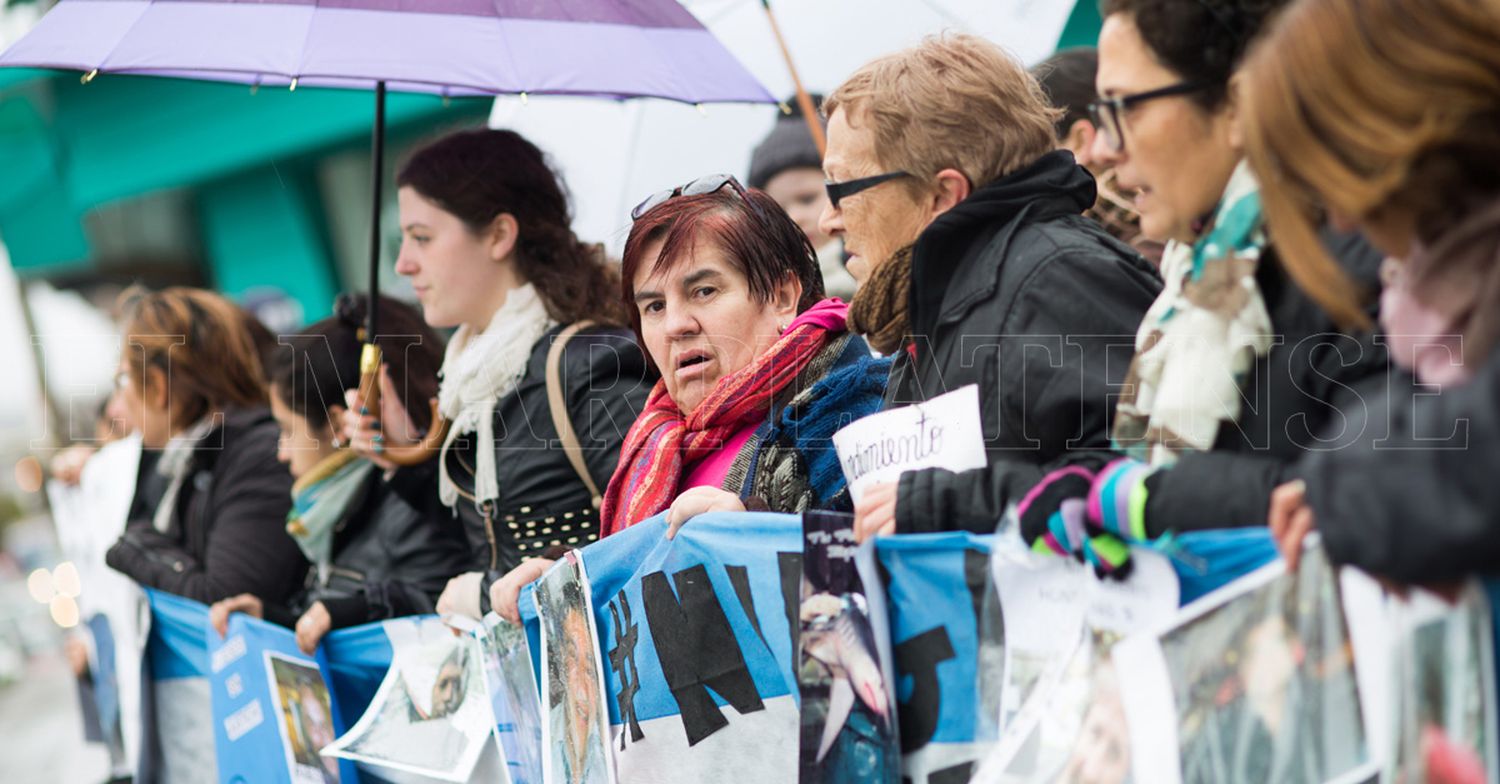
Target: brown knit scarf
{"x": 878, "y": 311}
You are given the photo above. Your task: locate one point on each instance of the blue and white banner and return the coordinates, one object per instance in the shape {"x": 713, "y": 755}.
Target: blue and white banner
{"x": 697, "y": 636}
{"x": 272, "y": 708}
{"x": 937, "y": 587}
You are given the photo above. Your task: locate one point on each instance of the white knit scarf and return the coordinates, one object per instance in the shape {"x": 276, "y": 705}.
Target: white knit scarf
{"x": 478, "y": 370}
{"x": 1200, "y": 338}
{"x": 175, "y": 463}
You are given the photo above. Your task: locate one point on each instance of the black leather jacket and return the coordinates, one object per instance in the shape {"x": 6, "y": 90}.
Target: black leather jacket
{"x": 393, "y": 552}
{"x": 228, "y": 534}
{"x": 543, "y": 503}
{"x": 1014, "y": 290}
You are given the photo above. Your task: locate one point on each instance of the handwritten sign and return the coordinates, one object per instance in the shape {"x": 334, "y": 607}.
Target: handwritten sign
{"x": 943, "y": 432}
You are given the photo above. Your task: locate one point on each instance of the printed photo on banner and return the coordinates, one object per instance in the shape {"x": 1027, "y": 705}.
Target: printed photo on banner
{"x": 943, "y": 432}
{"x": 1072, "y": 730}
{"x": 848, "y": 715}
{"x": 1063, "y": 620}
{"x": 1252, "y": 683}
{"x": 305, "y": 718}
{"x": 1444, "y": 690}
{"x": 431, "y": 718}
{"x": 514, "y": 698}
{"x": 576, "y": 724}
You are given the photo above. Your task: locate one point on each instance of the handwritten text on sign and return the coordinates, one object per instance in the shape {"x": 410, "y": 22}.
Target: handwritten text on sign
{"x": 943, "y": 432}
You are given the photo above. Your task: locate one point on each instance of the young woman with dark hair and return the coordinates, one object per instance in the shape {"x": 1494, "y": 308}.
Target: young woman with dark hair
{"x": 487, "y": 245}
{"x": 757, "y": 367}
{"x": 380, "y": 543}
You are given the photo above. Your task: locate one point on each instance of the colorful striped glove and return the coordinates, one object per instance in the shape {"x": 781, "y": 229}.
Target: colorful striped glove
{"x": 1054, "y": 520}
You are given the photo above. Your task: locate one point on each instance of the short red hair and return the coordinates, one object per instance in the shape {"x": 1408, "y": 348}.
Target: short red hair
{"x": 763, "y": 243}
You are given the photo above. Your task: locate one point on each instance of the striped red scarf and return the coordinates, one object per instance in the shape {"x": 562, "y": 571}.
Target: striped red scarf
{"x": 663, "y": 442}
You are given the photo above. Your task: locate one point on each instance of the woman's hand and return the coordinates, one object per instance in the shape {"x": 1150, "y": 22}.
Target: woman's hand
{"x": 697, "y": 501}
{"x": 312, "y": 626}
{"x": 461, "y": 596}
{"x": 368, "y": 433}
{"x": 875, "y": 512}
{"x": 67, "y": 466}
{"x": 506, "y": 592}
{"x": 247, "y": 603}
{"x": 1291, "y": 520}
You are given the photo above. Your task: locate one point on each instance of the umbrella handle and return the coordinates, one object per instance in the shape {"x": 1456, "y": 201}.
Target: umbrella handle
{"x": 369, "y": 394}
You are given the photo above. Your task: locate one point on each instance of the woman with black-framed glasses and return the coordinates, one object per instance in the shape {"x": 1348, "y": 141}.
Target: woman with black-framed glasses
{"x": 1236, "y": 371}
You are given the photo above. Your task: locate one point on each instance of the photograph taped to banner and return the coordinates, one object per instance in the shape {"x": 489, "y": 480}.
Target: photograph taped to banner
{"x": 514, "y": 698}
{"x": 1071, "y": 729}
{"x": 1443, "y": 690}
{"x": 1254, "y": 682}
{"x": 943, "y": 432}
{"x": 576, "y": 724}
{"x": 304, "y": 715}
{"x": 1070, "y": 725}
{"x": 848, "y": 703}
{"x": 430, "y": 719}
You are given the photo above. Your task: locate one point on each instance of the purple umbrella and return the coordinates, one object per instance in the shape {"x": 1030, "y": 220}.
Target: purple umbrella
{"x": 607, "y": 48}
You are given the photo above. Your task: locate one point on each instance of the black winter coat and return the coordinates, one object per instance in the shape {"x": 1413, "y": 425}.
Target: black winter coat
{"x": 1013, "y": 289}
{"x": 543, "y": 503}
{"x": 1409, "y": 492}
{"x": 393, "y": 552}
{"x": 227, "y": 535}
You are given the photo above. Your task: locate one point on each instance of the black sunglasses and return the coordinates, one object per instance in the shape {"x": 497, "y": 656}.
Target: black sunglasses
{"x": 838, "y": 191}
{"x": 708, "y": 183}
{"x": 1108, "y": 114}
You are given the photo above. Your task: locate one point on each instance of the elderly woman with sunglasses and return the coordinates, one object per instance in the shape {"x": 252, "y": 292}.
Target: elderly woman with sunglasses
{"x": 1236, "y": 369}
{"x": 757, "y": 367}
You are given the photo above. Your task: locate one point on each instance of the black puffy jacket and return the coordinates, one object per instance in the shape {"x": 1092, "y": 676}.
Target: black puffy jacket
{"x": 1014, "y": 290}
{"x": 393, "y": 552}
{"x": 1408, "y": 491}
{"x": 543, "y": 503}
{"x": 227, "y": 535}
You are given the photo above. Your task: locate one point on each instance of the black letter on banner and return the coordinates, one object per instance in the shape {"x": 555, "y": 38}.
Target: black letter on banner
{"x": 919, "y": 657}
{"x": 622, "y": 659}
{"x": 697, "y": 648}
{"x": 790, "y": 565}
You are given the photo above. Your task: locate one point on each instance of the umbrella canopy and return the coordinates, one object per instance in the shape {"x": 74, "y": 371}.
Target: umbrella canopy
{"x": 597, "y": 48}
{"x": 608, "y": 48}
{"x": 613, "y": 155}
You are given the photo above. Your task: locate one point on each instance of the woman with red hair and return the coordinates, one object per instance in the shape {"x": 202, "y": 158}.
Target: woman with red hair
{"x": 757, "y": 367}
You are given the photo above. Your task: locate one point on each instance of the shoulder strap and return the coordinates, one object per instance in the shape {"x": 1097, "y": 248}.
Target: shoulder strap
{"x": 559, "y": 407}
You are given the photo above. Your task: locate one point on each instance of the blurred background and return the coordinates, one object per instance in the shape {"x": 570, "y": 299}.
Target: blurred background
{"x": 262, "y": 195}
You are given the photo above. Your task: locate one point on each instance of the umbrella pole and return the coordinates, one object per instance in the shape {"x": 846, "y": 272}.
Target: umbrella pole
{"x": 804, "y": 101}
{"x": 369, "y": 358}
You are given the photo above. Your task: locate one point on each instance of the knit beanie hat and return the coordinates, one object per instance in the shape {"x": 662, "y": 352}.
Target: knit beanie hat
{"x": 789, "y": 145}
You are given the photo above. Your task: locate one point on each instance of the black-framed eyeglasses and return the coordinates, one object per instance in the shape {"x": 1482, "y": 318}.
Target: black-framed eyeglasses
{"x": 842, "y": 190}
{"x": 1108, "y": 114}
{"x": 708, "y": 183}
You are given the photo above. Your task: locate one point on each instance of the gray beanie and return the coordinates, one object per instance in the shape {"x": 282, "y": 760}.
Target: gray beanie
{"x": 789, "y": 145}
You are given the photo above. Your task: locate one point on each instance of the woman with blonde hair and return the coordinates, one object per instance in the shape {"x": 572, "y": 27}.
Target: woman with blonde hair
{"x": 1385, "y": 114}
{"x": 191, "y": 376}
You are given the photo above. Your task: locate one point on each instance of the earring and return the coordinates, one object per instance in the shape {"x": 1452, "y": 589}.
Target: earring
{"x": 780, "y": 328}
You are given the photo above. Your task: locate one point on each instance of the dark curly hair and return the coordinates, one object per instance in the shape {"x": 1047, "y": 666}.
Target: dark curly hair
{"x": 1200, "y": 40}
{"x": 479, "y": 174}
